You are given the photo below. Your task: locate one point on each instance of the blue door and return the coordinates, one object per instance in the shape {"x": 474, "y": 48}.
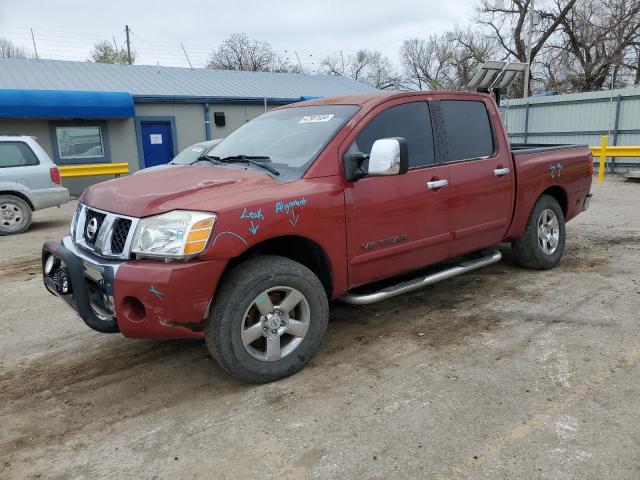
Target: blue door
{"x": 157, "y": 146}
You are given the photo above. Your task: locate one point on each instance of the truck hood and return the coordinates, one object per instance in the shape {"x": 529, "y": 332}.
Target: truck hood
{"x": 179, "y": 187}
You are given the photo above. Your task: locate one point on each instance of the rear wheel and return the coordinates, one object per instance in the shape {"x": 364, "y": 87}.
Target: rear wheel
{"x": 268, "y": 319}
{"x": 15, "y": 215}
{"x": 542, "y": 244}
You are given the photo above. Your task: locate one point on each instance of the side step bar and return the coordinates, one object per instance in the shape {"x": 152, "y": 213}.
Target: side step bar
{"x": 492, "y": 256}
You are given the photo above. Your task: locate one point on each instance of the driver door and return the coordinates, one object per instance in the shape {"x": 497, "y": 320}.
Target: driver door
{"x": 397, "y": 223}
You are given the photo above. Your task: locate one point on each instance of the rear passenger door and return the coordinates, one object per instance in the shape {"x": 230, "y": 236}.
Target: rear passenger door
{"x": 480, "y": 174}
{"x": 400, "y": 222}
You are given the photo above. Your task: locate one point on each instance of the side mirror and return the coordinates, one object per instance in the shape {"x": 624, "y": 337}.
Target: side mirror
{"x": 389, "y": 156}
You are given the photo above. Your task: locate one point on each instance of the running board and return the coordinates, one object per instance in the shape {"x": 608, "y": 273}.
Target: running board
{"x": 492, "y": 256}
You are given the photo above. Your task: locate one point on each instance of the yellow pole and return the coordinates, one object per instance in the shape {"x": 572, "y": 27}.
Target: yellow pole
{"x": 603, "y": 156}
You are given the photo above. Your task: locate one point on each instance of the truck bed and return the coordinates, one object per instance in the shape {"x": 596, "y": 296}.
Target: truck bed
{"x": 528, "y": 148}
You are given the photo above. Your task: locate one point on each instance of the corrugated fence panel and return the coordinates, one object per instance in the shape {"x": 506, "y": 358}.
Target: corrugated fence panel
{"x": 630, "y": 114}
{"x": 577, "y": 118}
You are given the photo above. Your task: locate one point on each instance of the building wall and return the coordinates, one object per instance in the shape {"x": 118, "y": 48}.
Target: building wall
{"x": 122, "y": 144}
{"x": 235, "y": 117}
{"x": 122, "y": 136}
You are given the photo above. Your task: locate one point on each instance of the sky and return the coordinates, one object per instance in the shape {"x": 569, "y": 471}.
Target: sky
{"x": 66, "y": 29}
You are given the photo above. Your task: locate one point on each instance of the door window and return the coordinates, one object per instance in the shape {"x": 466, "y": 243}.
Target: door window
{"x": 468, "y": 129}
{"x": 16, "y": 154}
{"x": 408, "y": 120}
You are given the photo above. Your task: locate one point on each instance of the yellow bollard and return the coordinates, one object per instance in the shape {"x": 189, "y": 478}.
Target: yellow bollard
{"x": 603, "y": 156}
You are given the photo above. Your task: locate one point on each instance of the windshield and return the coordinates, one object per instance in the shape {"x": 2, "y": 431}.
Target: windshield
{"x": 290, "y": 137}
{"x": 189, "y": 154}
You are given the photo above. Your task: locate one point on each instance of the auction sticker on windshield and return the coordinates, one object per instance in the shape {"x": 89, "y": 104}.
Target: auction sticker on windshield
{"x": 316, "y": 118}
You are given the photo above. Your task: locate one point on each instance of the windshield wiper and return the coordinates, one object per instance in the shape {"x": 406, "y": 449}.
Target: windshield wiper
{"x": 252, "y": 159}
{"x": 206, "y": 158}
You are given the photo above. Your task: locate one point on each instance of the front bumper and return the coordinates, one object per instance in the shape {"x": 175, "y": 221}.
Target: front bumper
{"x": 85, "y": 284}
{"x": 140, "y": 299}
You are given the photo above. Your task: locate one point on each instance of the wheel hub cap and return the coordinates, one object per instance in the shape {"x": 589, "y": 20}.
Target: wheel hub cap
{"x": 11, "y": 214}
{"x": 275, "y": 323}
{"x": 548, "y": 232}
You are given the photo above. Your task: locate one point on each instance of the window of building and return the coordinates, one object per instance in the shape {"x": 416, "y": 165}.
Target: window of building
{"x": 408, "y": 120}
{"x": 16, "y": 154}
{"x": 468, "y": 129}
{"x": 79, "y": 142}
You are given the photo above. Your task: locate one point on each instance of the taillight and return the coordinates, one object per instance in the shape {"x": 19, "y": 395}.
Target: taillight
{"x": 55, "y": 175}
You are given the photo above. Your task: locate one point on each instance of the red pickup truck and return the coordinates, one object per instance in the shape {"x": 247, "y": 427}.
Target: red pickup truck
{"x": 356, "y": 198}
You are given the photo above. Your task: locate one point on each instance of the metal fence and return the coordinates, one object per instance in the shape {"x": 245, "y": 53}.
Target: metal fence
{"x": 578, "y": 118}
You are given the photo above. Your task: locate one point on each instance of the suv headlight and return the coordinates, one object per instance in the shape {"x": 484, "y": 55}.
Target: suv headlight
{"x": 173, "y": 235}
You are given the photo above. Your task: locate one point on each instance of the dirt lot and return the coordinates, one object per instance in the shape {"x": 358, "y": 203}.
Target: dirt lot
{"x": 503, "y": 373}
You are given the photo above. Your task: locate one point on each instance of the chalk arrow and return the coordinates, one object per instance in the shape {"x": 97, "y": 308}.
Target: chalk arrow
{"x": 294, "y": 218}
{"x": 254, "y": 228}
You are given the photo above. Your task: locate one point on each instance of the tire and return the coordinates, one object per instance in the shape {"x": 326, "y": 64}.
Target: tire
{"x": 542, "y": 247}
{"x": 15, "y": 215}
{"x": 253, "y": 299}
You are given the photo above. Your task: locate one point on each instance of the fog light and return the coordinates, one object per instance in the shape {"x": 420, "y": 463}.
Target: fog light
{"x": 61, "y": 281}
{"x": 48, "y": 266}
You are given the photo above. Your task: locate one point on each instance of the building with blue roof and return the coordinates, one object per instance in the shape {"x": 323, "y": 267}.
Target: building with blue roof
{"x": 144, "y": 115}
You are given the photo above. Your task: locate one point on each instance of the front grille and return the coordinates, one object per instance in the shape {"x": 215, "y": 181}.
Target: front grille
{"x": 119, "y": 236}
{"x": 104, "y": 234}
{"x": 89, "y": 237}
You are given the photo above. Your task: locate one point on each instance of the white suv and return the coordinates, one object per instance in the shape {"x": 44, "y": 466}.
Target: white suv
{"x": 29, "y": 181}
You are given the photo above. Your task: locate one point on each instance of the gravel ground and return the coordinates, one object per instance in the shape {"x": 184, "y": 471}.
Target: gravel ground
{"x": 503, "y": 373}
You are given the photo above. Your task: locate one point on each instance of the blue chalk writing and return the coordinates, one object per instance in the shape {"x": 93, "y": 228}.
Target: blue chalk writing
{"x": 254, "y": 228}
{"x": 293, "y": 220}
{"x": 556, "y": 169}
{"x": 287, "y": 206}
{"x": 257, "y": 214}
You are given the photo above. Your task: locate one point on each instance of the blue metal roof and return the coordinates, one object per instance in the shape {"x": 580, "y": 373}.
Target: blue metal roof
{"x": 171, "y": 83}
{"x": 65, "y": 104}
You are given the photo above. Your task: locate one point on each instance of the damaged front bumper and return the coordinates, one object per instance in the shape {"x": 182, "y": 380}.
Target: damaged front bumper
{"x": 85, "y": 282}
{"x": 140, "y": 299}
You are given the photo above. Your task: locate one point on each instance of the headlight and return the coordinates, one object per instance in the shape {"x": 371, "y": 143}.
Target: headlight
{"x": 74, "y": 221}
{"x": 173, "y": 235}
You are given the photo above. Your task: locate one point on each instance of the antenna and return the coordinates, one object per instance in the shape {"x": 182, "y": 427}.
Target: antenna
{"x": 35, "y": 50}
{"x": 185, "y": 54}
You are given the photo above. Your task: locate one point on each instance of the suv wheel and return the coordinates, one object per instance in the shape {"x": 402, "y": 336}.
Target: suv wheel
{"x": 542, "y": 245}
{"x": 268, "y": 319}
{"x": 15, "y": 215}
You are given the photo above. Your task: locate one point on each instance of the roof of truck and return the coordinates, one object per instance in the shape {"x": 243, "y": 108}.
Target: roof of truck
{"x": 378, "y": 97}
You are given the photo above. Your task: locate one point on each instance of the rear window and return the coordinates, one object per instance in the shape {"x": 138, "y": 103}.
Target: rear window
{"x": 468, "y": 129}
{"x": 16, "y": 154}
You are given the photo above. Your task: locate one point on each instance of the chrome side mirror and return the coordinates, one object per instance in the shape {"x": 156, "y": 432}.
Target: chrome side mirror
{"x": 389, "y": 156}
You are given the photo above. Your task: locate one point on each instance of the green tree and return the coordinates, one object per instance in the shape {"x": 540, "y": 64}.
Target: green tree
{"x": 104, "y": 52}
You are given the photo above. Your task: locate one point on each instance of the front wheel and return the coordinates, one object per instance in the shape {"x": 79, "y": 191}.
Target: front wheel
{"x": 542, "y": 244}
{"x": 268, "y": 319}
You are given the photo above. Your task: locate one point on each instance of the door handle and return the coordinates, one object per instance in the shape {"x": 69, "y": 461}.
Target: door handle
{"x": 499, "y": 172}
{"x": 437, "y": 184}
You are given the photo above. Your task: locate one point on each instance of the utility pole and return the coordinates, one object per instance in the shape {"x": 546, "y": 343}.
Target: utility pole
{"x": 527, "y": 71}
{"x": 126, "y": 30}
{"x": 33, "y": 38}
{"x": 342, "y": 57}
